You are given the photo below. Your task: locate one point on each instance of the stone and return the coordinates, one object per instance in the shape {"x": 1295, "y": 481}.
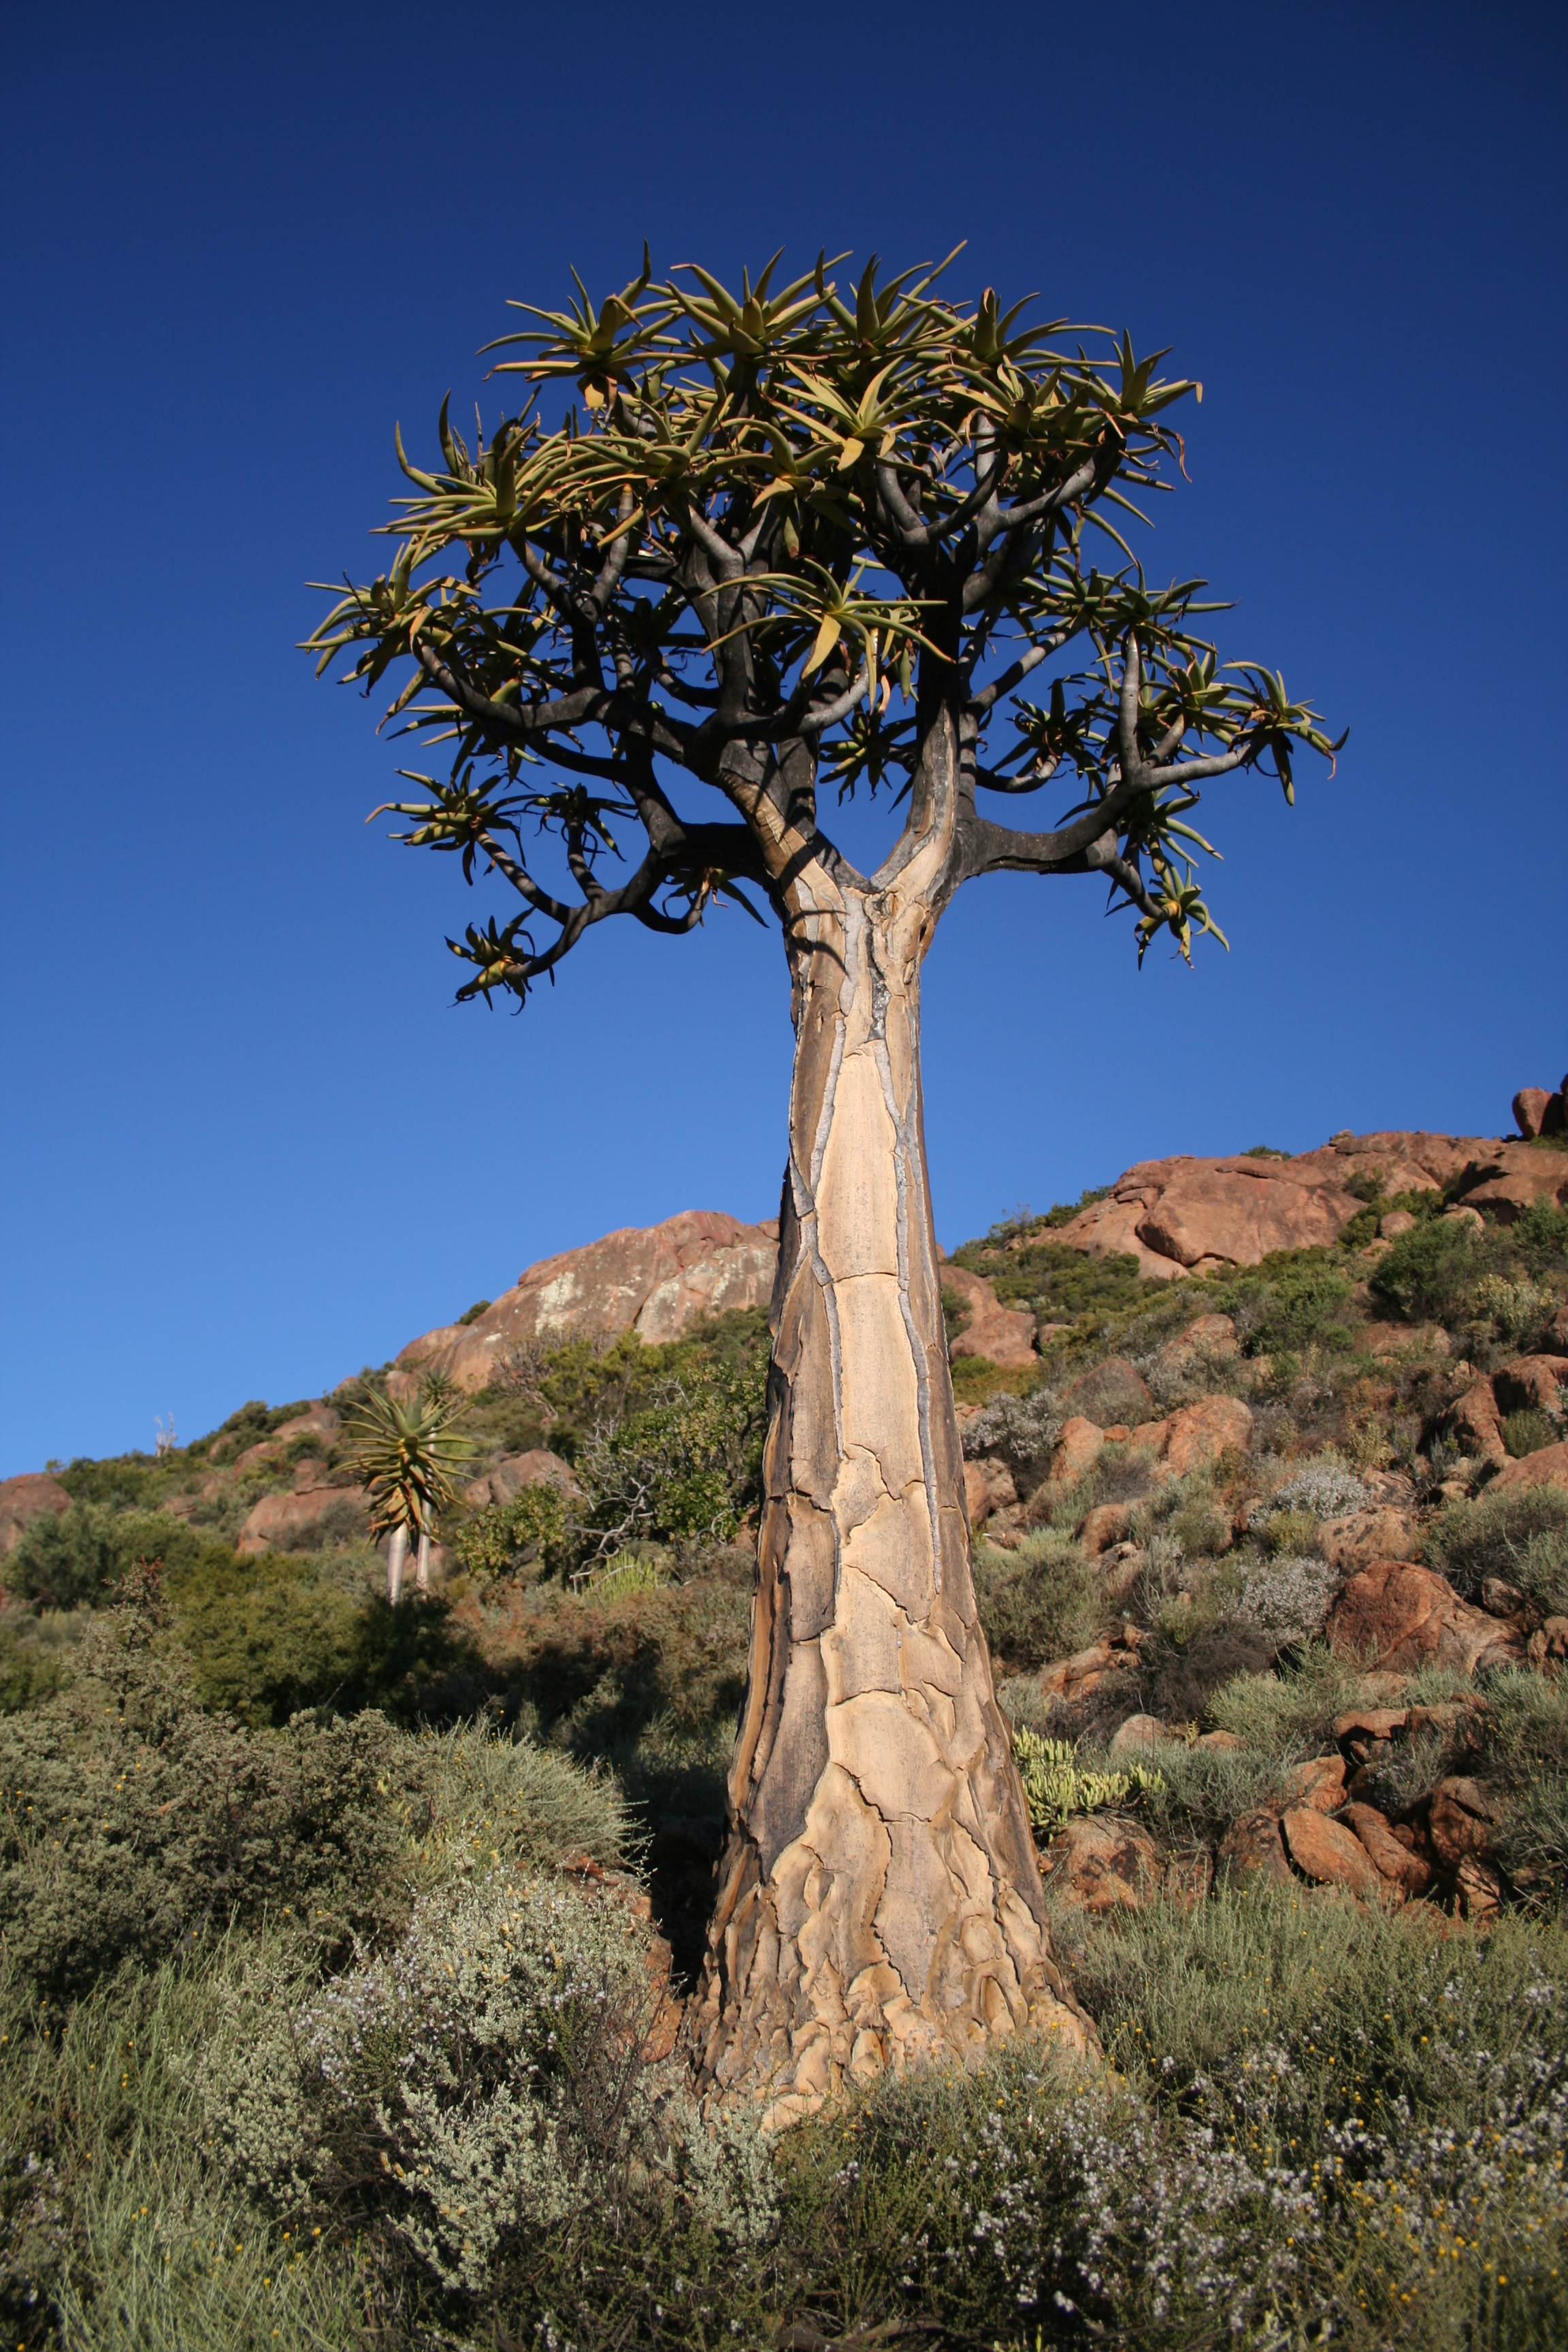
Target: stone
{"x": 1366, "y": 1726}
{"x": 537, "y": 1467}
{"x": 1088, "y": 1670}
{"x": 1396, "y": 1615}
{"x": 1389, "y": 1857}
{"x": 1507, "y": 1179}
{"x": 1404, "y": 1338}
{"x": 1397, "y": 1222}
{"x": 1113, "y": 1392}
{"x": 1531, "y": 1380}
{"x": 1210, "y": 1340}
{"x": 1476, "y": 1424}
{"x": 1140, "y": 1734}
{"x": 1109, "y": 1229}
{"x": 1119, "y": 1572}
{"x": 1363, "y": 1537}
{"x": 1548, "y": 1646}
{"x": 1547, "y": 1468}
{"x": 304, "y": 1521}
{"x": 1529, "y": 1106}
{"x": 265, "y": 1450}
{"x": 429, "y": 1345}
{"x": 987, "y": 1487}
{"x": 1330, "y": 1855}
{"x": 1107, "y": 1524}
{"x": 32, "y": 1495}
{"x": 996, "y": 1334}
{"x": 1221, "y": 1740}
{"x": 1478, "y": 1891}
{"x": 1462, "y": 1215}
{"x": 654, "y": 1280}
{"x": 1196, "y": 1434}
{"x": 1077, "y": 1450}
{"x": 1464, "y": 1813}
{"x": 1217, "y": 1212}
{"x": 1555, "y": 1338}
{"x": 317, "y": 1421}
{"x": 1459, "y": 1722}
{"x": 1319, "y": 1784}
{"x": 1253, "y": 1848}
{"x": 1187, "y": 1215}
{"x": 1099, "y": 1863}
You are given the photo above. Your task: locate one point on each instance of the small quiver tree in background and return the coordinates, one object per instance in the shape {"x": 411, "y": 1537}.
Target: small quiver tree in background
{"x": 786, "y": 541}
{"x": 403, "y": 1455}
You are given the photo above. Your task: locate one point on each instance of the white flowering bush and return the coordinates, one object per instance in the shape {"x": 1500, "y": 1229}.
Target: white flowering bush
{"x": 1021, "y": 1430}
{"x": 1320, "y": 2125}
{"x": 1291, "y": 1597}
{"x": 482, "y": 2082}
{"x": 1325, "y": 1489}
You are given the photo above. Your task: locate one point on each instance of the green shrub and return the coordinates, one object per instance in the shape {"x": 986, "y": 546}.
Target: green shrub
{"x": 1519, "y": 1536}
{"x": 1526, "y": 1750}
{"x": 1538, "y": 1240}
{"x": 1195, "y": 1656}
{"x": 1527, "y": 1430}
{"x": 956, "y": 1313}
{"x": 1289, "y": 1714}
{"x": 132, "y": 1821}
{"x": 1037, "y": 1603}
{"x": 505, "y": 1536}
{"x": 1512, "y": 1311}
{"x": 1205, "y": 1790}
{"x": 1422, "y": 2081}
{"x": 1201, "y": 1527}
{"x": 482, "y": 1801}
{"x": 267, "y": 1637}
{"x": 1426, "y": 1276}
{"x": 1020, "y": 1430}
{"x": 472, "y": 1314}
{"x": 117, "y": 2232}
{"x": 1301, "y": 1302}
{"x": 31, "y": 1669}
{"x": 1289, "y": 1532}
{"x": 63, "y": 1560}
{"x": 1058, "y": 1282}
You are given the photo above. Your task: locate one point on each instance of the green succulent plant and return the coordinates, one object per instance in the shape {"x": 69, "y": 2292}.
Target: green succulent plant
{"x": 404, "y": 1457}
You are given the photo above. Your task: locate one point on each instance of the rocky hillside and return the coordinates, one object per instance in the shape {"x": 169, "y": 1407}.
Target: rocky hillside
{"x": 652, "y": 1282}
{"x": 1271, "y": 1552}
{"x": 269, "y": 1479}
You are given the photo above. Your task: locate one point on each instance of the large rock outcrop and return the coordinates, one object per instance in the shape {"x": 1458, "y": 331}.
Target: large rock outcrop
{"x": 654, "y": 1280}
{"x": 33, "y": 1495}
{"x": 1185, "y": 1216}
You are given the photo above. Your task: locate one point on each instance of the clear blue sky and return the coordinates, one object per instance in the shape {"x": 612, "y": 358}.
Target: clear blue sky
{"x": 248, "y": 1144}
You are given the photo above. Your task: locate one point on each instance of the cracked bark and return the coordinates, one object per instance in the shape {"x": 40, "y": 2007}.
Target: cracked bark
{"x": 880, "y": 1899}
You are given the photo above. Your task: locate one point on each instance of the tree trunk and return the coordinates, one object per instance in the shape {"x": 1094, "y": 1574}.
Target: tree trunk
{"x": 396, "y": 1553}
{"x": 422, "y": 1563}
{"x": 880, "y": 1899}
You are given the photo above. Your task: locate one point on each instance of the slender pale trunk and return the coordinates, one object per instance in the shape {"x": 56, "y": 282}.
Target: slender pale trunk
{"x": 396, "y": 1553}
{"x": 422, "y": 1563}
{"x": 880, "y": 1899}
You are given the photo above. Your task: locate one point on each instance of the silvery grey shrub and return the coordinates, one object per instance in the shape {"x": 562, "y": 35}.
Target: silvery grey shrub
{"x": 477, "y": 2082}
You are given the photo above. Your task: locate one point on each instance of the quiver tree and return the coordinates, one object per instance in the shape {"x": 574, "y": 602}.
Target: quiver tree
{"x": 782, "y": 542}
{"x": 404, "y": 1456}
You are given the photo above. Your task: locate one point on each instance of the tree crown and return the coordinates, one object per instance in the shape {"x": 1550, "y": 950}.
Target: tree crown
{"x": 783, "y": 540}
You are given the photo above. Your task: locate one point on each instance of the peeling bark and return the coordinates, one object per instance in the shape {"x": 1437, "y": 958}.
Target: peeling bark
{"x": 880, "y": 1899}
